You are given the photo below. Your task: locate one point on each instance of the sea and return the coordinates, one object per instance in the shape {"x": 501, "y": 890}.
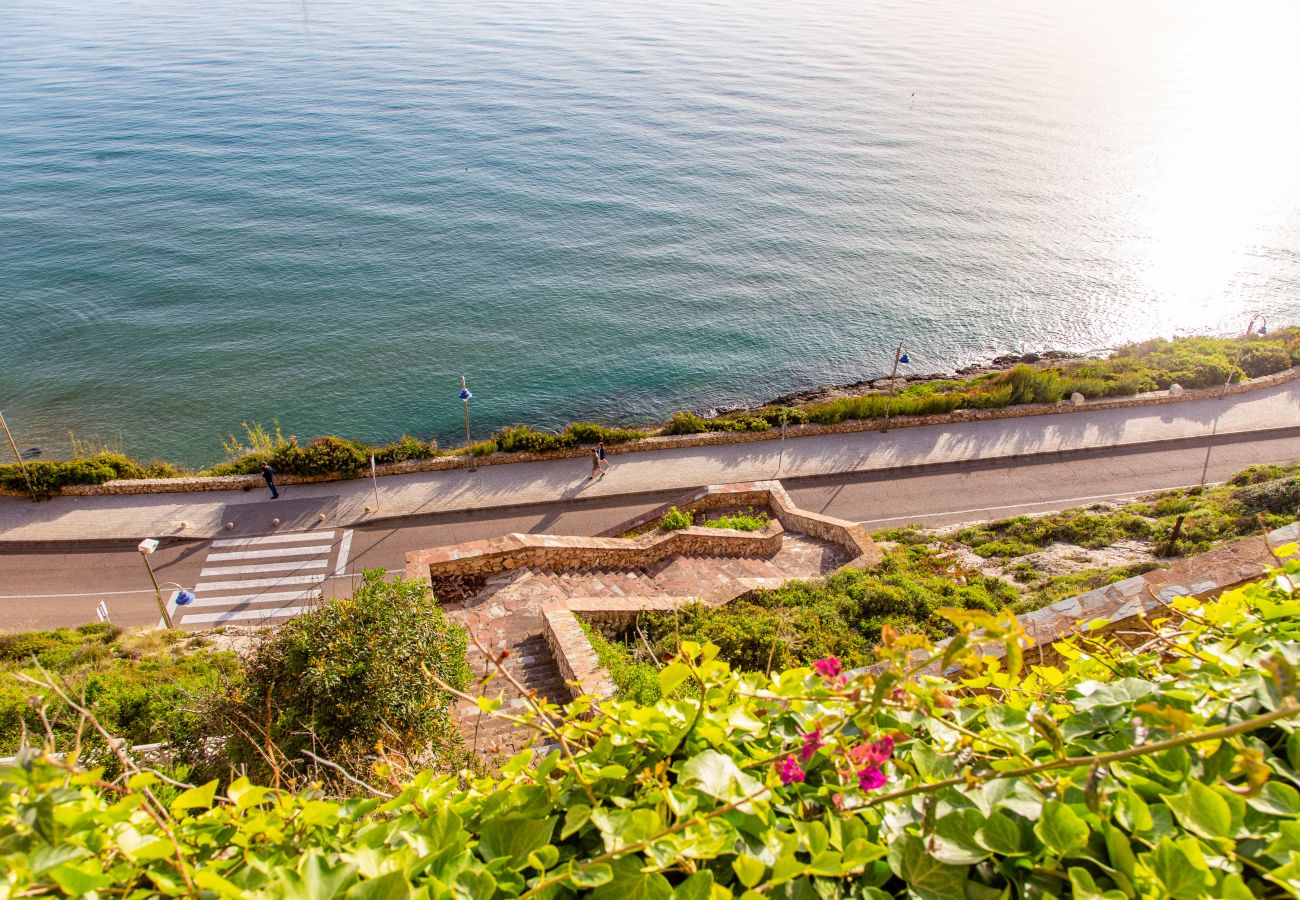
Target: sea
{"x": 324, "y": 214}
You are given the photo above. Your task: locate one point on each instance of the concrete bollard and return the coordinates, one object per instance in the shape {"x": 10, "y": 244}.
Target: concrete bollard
{"x": 1077, "y": 399}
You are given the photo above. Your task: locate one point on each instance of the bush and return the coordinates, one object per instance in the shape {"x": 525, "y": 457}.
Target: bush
{"x": 589, "y": 433}
{"x": 521, "y": 439}
{"x": 352, "y": 673}
{"x": 747, "y": 521}
{"x": 685, "y": 423}
{"x": 1031, "y": 385}
{"x": 637, "y": 681}
{"x": 328, "y": 455}
{"x": 405, "y": 448}
{"x": 1259, "y": 358}
{"x": 48, "y": 477}
{"x": 1162, "y": 773}
{"x": 674, "y": 520}
{"x": 1280, "y": 496}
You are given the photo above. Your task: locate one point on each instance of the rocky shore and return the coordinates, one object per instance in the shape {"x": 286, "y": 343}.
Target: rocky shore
{"x": 882, "y": 383}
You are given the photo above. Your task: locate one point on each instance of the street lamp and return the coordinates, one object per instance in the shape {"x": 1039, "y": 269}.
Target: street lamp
{"x": 465, "y": 397}
{"x": 18, "y": 456}
{"x": 899, "y": 357}
{"x": 182, "y": 597}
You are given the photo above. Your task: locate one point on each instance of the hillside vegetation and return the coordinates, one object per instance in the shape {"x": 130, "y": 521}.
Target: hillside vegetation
{"x": 1168, "y": 769}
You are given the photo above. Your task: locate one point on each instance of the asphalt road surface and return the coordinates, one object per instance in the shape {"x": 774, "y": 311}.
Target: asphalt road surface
{"x": 57, "y": 588}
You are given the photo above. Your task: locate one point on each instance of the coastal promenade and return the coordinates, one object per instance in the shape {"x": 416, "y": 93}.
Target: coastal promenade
{"x": 1273, "y": 411}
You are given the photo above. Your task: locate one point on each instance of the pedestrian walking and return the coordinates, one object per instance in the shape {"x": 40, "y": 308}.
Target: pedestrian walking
{"x": 269, "y": 474}
{"x": 595, "y": 465}
{"x": 600, "y": 451}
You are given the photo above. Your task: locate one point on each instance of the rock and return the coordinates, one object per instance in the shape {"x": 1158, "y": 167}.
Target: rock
{"x": 1175, "y": 390}
{"x": 1030, "y": 358}
{"x": 1077, "y": 399}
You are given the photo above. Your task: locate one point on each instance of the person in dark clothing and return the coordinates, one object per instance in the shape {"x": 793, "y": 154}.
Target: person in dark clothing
{"x": 600, "y": 452}
{"x": 269, "y": 474}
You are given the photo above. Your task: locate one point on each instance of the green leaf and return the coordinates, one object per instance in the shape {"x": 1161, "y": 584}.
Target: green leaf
{"x": 1176, "y": 871}
{"x": 630, "y": 883}
{"x": 620, "y": 827}
{"x": 1202, "y": 811}
{"x": 76, "y": 881}
{"x": 1084, "y": 888}
{"x": 1000, "y": 834}
{"x": 196, "y": 798}
{"x": 748, "y": 870}
{"x": 1061, "y": 828}
{"x": 211, "y": 881}
{"x": 514, "y": 838}
{"x": 671, "y": 676}
{"x": 47, "y": 857}
{"x": 391, "y": 886}
{"x": 930, "y": 765}
{"x": 926, "y": 877}
{"x": 718, "y": 776}
{"x": 1276, "y": 799}
{"x": 698, "y": 887}
{"x": 955, "y": 840}
{"x": 577, "y": 816}
{"x": 1122, "y": 692}
{"x": 595, "y": 876}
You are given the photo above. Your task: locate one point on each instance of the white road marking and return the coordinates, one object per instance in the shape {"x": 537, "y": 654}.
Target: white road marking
{"x": 297, "y": 537}
{"x": 260, "y": 582}
{"x": 269, "y": 554}
{"x": 345, "y": 547}
{"x": 273, "y": 597}
{"x": 236, "y": 615}
{"x": 83, "y": 594}
{"x": 221, "y": 571}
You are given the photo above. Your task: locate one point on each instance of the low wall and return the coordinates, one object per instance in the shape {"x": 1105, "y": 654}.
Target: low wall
{"x": 574, "y": 656}
{"x": 562, "y": 553}
{"x": 668, "y": 442}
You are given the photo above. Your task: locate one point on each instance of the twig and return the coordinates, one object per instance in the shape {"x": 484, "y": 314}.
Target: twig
{"x": 346, "y": 774}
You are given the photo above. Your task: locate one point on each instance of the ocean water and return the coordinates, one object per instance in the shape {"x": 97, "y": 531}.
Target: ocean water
{"x": 324, "y": 213}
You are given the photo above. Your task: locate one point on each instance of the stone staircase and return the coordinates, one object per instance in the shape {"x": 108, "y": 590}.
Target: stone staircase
{"x": 507, "y": 615}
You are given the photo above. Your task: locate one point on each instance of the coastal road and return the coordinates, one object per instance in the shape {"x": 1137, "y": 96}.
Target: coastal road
{"x": 57, "y": 588}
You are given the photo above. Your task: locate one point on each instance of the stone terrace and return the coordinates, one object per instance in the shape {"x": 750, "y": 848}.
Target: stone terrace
{"x": 522, "y": 591}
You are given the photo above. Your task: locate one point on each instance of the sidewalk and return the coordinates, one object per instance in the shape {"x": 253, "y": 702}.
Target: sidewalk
{"x": 131, "y": 517}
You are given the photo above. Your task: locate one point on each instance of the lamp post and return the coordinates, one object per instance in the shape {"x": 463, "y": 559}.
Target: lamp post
{"x": 18, "y": 456}
{"x": 1250, "y": 329}
{"x": 146, "y": 547}
{"x": 465, "y": 397}
{"x": 899, "y": 357}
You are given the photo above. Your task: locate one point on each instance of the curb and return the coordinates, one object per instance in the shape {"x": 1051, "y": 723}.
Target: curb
{"x": 664, "y": 495}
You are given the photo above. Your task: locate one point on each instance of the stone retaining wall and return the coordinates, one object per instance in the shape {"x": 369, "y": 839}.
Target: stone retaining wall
{"x": 561, "y": 553}
{"x": 667, "y": 442}
{"x": 574, "y": 656}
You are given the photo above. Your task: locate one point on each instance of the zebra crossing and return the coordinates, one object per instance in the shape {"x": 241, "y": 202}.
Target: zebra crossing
{"x": 254, "y": 580}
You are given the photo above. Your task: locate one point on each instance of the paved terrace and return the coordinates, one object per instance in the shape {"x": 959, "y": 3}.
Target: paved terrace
{"x": 160, "y": 515}
{"x": 520, "y": 594}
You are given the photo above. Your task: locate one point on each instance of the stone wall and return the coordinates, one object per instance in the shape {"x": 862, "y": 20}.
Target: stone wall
{"x": 666, "y": 442}
{"x": 574, "y": 656}
{"x": 563, "y": 553}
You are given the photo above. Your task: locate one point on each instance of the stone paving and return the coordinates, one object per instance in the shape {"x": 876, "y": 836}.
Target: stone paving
{"x": 508, "y": 615}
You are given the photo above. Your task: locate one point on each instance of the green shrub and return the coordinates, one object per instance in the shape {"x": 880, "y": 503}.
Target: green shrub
{"x": 483, "y": 448}
{"x": 1163, "y": 772}
{"x": 1280, "y": 496}
{"x": 1031, "y": 385}
{"x": 352, "y": 673}
{"x": 674, "y": 520}
{"x": 1259, "y": 358}
{"x": 405, "y": 448}
{"x": 747, "y": 521}
{"x": 327, "y": 455}
{"x": 590, "y": 433}
{"x": 791, "y": 415}
{"x": 521, "y": 439}
{"x": 685, "y": 422}
{"x": 244, "y": 465}
{"x": 637, "y": 681}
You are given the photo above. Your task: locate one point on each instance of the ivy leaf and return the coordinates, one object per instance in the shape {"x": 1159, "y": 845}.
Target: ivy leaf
{"x": 514, "y": 838}
{"x": 698, "y": 887}
{"x": 392, "y": 886}
{"x": 1122, "y": 692}
{"x": 594, "y": 876}
{"x": 671, "y": 676}
{"x": 926, "y": 877}
{"x": 78, "y": 880}
{"x": 1202, "y": 811}
{"x": 196, "y": 798}
{"x": 48, "y": 857}
{"x": 577, "y": 816}
{"x": 1276, "y": 799}
{"x": 1083, "y": 887}
{"x": 1061, "y": 829}
{"x": 718, "y": 776}
{"x": 630, "y": 883}
{"x": 1176, "y": 871}
{"x": 748, "y": 870}
{"x": 1000, "y": 834}
{"x": 955, "y": 838}
{"x": 620, "y": 827}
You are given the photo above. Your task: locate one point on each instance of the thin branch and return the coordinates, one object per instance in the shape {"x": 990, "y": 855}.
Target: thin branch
{"x": 346, "y": 774}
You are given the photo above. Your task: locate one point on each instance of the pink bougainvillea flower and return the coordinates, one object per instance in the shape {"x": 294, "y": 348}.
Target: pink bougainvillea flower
{"x": 829, "y": 667}
{"x": 871, "y": 778}
{"x": 789, "y": 771}
{"x": 811, "y": 741}
{"x": 872, "y": 754}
